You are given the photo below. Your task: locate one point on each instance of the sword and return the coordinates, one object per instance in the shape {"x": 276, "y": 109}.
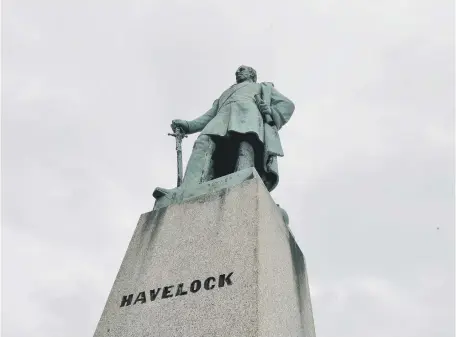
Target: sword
{"x": 179, "y": 135}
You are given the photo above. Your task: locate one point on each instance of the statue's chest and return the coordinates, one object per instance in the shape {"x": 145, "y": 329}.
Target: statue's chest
{"x": 241, "y": 91}
{"x": 249, "y": 90}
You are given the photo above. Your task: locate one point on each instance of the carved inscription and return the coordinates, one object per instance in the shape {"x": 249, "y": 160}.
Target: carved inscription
{"x": 180, "y": 290}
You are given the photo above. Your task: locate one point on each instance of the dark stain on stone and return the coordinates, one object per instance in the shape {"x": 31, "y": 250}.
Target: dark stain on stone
{"x": 204, "y": 198}
{"x": 221, "y": 197}
{"x": 148, "y": 234}
{"x": 154, "y": 220}
{"x": 298, "y": 264}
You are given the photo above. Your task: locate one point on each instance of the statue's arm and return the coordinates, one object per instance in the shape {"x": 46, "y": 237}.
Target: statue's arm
{"x": 199, "y": 123}
{"x": 282, "y": 108}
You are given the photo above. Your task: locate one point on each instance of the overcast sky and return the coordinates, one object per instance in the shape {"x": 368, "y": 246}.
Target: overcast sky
{"x": 90, "y": 88}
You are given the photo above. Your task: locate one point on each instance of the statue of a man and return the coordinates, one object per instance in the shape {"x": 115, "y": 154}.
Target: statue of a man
{"x": 238, "y": 132}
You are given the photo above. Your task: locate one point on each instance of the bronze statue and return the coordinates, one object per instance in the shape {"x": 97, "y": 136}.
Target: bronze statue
{"x": 238, "y": 132}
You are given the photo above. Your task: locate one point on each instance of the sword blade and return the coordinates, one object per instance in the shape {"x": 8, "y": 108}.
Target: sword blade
{"x": 179, "y": 167}
{"x": 179, "y": 135}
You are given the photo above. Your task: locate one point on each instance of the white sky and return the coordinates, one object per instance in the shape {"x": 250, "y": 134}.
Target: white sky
{"x": 90, "y": 88}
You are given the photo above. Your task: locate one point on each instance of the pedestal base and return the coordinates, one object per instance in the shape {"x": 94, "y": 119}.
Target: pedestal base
{"x": 219, "y": 264}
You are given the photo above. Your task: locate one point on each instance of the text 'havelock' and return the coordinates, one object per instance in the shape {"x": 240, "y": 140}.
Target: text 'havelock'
{"x": 180, "y": 290}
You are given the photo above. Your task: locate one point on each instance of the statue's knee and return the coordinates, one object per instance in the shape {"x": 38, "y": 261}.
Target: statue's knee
{"x": 203, "y": 142}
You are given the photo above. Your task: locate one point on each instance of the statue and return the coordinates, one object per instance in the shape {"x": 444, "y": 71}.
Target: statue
{"x": 238, "y": 132}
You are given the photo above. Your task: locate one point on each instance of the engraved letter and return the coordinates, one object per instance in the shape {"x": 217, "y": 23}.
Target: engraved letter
{"x": 141, "y": 297}
{"x": 154, "y": 293}
{"x": 126, "y": 300}
{"x": 225, "y": 279}
{"x": 206, "y": 283}
{"x": 180, "y": 290}
{"x": 195, "y": 286}
{"x": 167, "y": 292}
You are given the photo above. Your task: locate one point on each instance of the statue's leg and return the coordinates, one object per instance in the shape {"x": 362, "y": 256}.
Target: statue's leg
{"x": 246, "y": 157}
{"x": 199, "y": 170}
{"x": 199, "y": 164}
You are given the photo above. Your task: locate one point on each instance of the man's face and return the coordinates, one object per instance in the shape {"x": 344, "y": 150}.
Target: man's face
{"x": 243, "y": 74}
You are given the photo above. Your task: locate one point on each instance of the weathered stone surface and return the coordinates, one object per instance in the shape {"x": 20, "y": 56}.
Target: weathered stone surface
{"x": 181, "y": 193}
{"x": 226, "y": 265}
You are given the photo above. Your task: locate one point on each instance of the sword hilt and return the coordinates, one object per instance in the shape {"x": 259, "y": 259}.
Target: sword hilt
{"x": 179, "y": 135}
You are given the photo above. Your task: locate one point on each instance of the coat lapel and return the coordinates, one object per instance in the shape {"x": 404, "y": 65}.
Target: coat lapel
{"x": 229, "y": 92}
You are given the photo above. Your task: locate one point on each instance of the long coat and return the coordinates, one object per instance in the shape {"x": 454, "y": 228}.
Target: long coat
{"x": 236, "y": 111}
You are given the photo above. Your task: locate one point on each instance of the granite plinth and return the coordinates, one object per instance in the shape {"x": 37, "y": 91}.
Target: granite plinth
{"x": 222, "y": 264}
{"x": 179, "y": 194}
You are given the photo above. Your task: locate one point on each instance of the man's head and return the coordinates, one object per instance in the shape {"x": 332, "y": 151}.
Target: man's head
{"x": 245, "y": 73}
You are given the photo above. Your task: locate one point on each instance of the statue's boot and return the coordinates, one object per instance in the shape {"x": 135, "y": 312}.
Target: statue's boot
{"x": 198, "y": 167}
{"x": 161, "y": 192}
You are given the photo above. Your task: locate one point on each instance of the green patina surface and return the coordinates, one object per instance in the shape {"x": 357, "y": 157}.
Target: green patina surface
{"x": 239, "y": 131}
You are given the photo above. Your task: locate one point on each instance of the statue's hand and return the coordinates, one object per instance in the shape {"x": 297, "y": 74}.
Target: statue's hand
{"x": 179, "y": 123}
{"x": 262, "y": 106}
{"x": 265, "y": 109}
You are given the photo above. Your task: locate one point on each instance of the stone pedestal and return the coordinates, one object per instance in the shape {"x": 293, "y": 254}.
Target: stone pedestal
{"x": 218, "y": 264}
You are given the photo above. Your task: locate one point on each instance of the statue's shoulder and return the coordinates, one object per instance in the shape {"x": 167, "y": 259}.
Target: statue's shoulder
{"x": 268, "y": 84}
